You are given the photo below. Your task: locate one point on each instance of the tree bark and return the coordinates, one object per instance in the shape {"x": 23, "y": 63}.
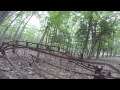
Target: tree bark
{"x": 16, "y": 33}
{"x": 20, "y": 34}
{"x": 43, "y": 36}
{"x": 99, "y": 49}
{"x": 88, "y": 33}
{"x": 103, "y": 53}
{"x": 10, "y": 24}
{"x": 3, "y": 15}
{"x": 107, "y": 53}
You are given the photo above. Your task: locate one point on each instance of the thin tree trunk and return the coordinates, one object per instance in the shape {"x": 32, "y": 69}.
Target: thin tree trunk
{"x": 107, "y": 53}
{"x": 103, "y": 53}
{"x": 92, "y": 49}
{"x": 99, "y": 50}
{"x": 115, "y": 52}
{"x": 16, "y": 33}
{"x": 43, "y": 36}
{"x": 88, "y": 32}
{"x": 47, "y": 41}
{"x": 111, "y": 52}
{"x": 3, "y": 15}
{"x": 20, "y": 34}
{"x": 98, "y": 38}
{"x": 37, "y": 37}
{"x": 10, "y": 24}
{"x": 9, "y": 15}
{"x": 2, "y": 36}
{"x": 94, "y": 42}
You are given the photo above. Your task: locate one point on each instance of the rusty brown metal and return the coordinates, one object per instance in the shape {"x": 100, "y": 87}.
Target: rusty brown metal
{"x": 56, "y": 52}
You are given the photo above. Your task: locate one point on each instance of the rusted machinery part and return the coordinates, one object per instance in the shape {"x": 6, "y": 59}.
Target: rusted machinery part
{"x": 86, "y": 74}
{"x": 12, "y": 44}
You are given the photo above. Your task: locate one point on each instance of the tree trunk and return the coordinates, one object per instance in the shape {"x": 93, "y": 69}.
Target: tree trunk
{"x": 98, "y": 53}
{"x": 44, "y": 34}
{"x": 103, "y": 53}
{"x": 2, "y": 36}
{"x": 10, "y": 24}
{"x": 111, "y": 52}
{"x": 10, "y": 14}
{"x": 16, "y": 33}
{"x": 20, "y": 34}
{"x": 42, "y": 38}
{"x": 92, "y": 49}
{"x": 3, "y": 15}
{"x": 107, "y": 53}
{"x": 99, "y": 49}
{"x": 94, "y": 42}
{"x": 88, "y": 33}
{"x": 115, "y": 52}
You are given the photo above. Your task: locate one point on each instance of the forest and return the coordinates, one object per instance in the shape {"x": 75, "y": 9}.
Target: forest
{"x": 90, "y": 38}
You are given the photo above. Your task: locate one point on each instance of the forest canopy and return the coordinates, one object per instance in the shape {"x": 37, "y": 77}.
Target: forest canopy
{"x": 92, "y": 33}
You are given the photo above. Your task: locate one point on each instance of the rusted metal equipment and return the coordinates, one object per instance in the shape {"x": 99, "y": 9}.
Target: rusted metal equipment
{"x": 59, "y": 53}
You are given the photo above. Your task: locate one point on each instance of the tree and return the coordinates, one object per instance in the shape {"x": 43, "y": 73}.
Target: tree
{"x": 3, "y": 15}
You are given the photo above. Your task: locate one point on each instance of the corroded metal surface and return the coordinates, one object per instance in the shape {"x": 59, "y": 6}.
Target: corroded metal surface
{"x": 49, "y": 55}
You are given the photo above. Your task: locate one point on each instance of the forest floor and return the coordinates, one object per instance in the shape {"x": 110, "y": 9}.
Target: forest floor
{"x": 23, "y": 61}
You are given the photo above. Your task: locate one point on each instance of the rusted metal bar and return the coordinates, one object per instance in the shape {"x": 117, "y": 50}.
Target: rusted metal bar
{"x": 45, "y": 71}
{"x": 60, "y": 67}
{"x": 67, "y": 57}
{"x": 18, "y": 69}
